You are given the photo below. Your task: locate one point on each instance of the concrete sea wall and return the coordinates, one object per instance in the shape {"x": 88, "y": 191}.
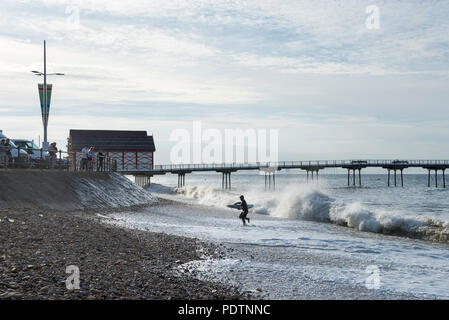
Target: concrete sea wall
{"x": 63, "y": 190}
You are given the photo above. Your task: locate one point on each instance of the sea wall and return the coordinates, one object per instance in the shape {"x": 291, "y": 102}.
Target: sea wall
{"x": 64, "y": 190}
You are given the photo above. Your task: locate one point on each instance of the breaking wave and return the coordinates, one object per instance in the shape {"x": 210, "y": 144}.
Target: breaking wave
{"x": 300, "y": 202}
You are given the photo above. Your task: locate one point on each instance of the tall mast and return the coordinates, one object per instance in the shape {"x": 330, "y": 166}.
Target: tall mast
{"x": 45, "y": 143}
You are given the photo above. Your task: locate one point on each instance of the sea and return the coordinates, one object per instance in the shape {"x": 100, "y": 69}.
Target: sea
{"x": 319, "y": 239}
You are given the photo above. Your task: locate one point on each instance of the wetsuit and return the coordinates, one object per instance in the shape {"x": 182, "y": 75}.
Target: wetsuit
{"x": 245, "y": 212}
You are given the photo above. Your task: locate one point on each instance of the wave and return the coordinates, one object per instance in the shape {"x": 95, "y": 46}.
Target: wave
{"x": 159, "y": 188}
{"x": 301, "y": 202}
{"x": 356, "y": 216}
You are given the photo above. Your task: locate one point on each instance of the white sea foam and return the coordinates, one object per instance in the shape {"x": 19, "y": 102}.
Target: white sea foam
{"x": 355, "y": 215}
{"x": 290, "y": 258}
{"x": 302, "y": 202}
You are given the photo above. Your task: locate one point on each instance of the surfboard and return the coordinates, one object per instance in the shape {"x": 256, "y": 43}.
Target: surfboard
{"x": 238, "y": 206}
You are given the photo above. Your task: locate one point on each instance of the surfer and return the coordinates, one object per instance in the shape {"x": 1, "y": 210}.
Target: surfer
{"x": 244, "y": 207}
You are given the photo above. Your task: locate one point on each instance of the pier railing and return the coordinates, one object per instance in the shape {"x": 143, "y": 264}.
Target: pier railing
{"x": 66, "y": 160}
{"x": 301, "y": 165}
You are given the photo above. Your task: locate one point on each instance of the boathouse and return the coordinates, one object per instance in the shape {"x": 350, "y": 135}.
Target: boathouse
{"x": 127, "y": 151}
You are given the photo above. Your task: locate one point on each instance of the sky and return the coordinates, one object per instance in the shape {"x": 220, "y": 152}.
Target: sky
{"x": 334, "y": 85}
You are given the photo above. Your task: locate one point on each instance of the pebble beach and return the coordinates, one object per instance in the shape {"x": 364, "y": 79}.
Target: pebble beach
{"x": 114, "y": 263}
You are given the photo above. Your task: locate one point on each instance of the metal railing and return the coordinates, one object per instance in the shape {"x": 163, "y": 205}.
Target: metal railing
{"x": 94, "y": 164}
{"x": 301, "y": 164}
{"x": 40, "y": 159}
{"x": 32, "y": 158}
{"x": 61, "y": 160}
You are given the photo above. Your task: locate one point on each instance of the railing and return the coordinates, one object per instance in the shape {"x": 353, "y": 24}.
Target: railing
{"x": 69, "y": 161}
{"x": 32, "y": 158}
{"x": 302, "y": 164}
{"x": 94, "y": 164}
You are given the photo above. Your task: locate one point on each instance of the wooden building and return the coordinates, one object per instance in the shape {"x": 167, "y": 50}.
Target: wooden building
{"x": 126, "y": 151}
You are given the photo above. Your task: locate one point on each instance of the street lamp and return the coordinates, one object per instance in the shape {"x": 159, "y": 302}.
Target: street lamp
{"x": 44, "y": 96}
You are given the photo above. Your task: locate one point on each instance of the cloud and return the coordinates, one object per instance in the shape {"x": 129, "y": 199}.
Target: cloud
{"x": 301, "y": 65}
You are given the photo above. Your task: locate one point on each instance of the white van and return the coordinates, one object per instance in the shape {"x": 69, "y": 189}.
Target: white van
{"x": 31, "y": 149}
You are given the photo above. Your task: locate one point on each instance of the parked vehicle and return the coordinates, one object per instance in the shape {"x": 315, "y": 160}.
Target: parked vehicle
{"x": 32, "y": 149}
{"x": 400, "y": 162}
{"x": 359, "y": 162}
{"x": 24, "y": 157}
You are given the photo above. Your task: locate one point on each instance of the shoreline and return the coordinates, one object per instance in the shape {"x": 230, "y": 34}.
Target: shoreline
{"x": 294, "y": 271}
{"x": 122, "y": 262}
{"x": 114, "y": 262}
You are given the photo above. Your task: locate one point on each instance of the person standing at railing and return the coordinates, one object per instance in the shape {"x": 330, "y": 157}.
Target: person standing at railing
{"x": 2, "y": 153}
{"x": 100, "y": 161}
{"x": 90, "y": 158}
{"x": 84, "y": 158}
{"x": 7, "y": 148}
{"x": 52, "y": 151}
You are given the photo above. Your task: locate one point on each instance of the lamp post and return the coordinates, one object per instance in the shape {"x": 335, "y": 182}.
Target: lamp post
{"x": 44, "y": 96}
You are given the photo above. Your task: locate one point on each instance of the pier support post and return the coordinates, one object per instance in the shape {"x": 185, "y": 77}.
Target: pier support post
{"x": 397, "y": 170}
{"x": 388, "y": 177}
{"x": 181, "y": 180}
{"x": 226, "y": 180}
{"x": 429, "y": 171}
{"x": 270, "y": 179}
{"x": 354, "y": 178}
{"x": 395, "y": 179}
{"x": 436, "y": 178}
{"x": 267, "y": 181}
{"x": 142, "y": 181}
{"x": 444, "y": 178}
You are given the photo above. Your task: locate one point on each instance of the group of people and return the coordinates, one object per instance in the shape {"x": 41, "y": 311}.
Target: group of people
{"x": 5, "y": 153}
{"x": 88, "y": 159}
{"x": 6, "y": 157}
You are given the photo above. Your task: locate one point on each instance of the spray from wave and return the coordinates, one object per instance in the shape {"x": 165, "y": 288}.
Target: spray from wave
{"x": 300, "y": 202}
{"x": 356, "y": 216}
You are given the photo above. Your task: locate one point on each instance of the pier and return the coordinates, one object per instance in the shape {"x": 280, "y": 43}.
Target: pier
{"x": 312, "y": 168}
{"x": 143, "y": 169}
